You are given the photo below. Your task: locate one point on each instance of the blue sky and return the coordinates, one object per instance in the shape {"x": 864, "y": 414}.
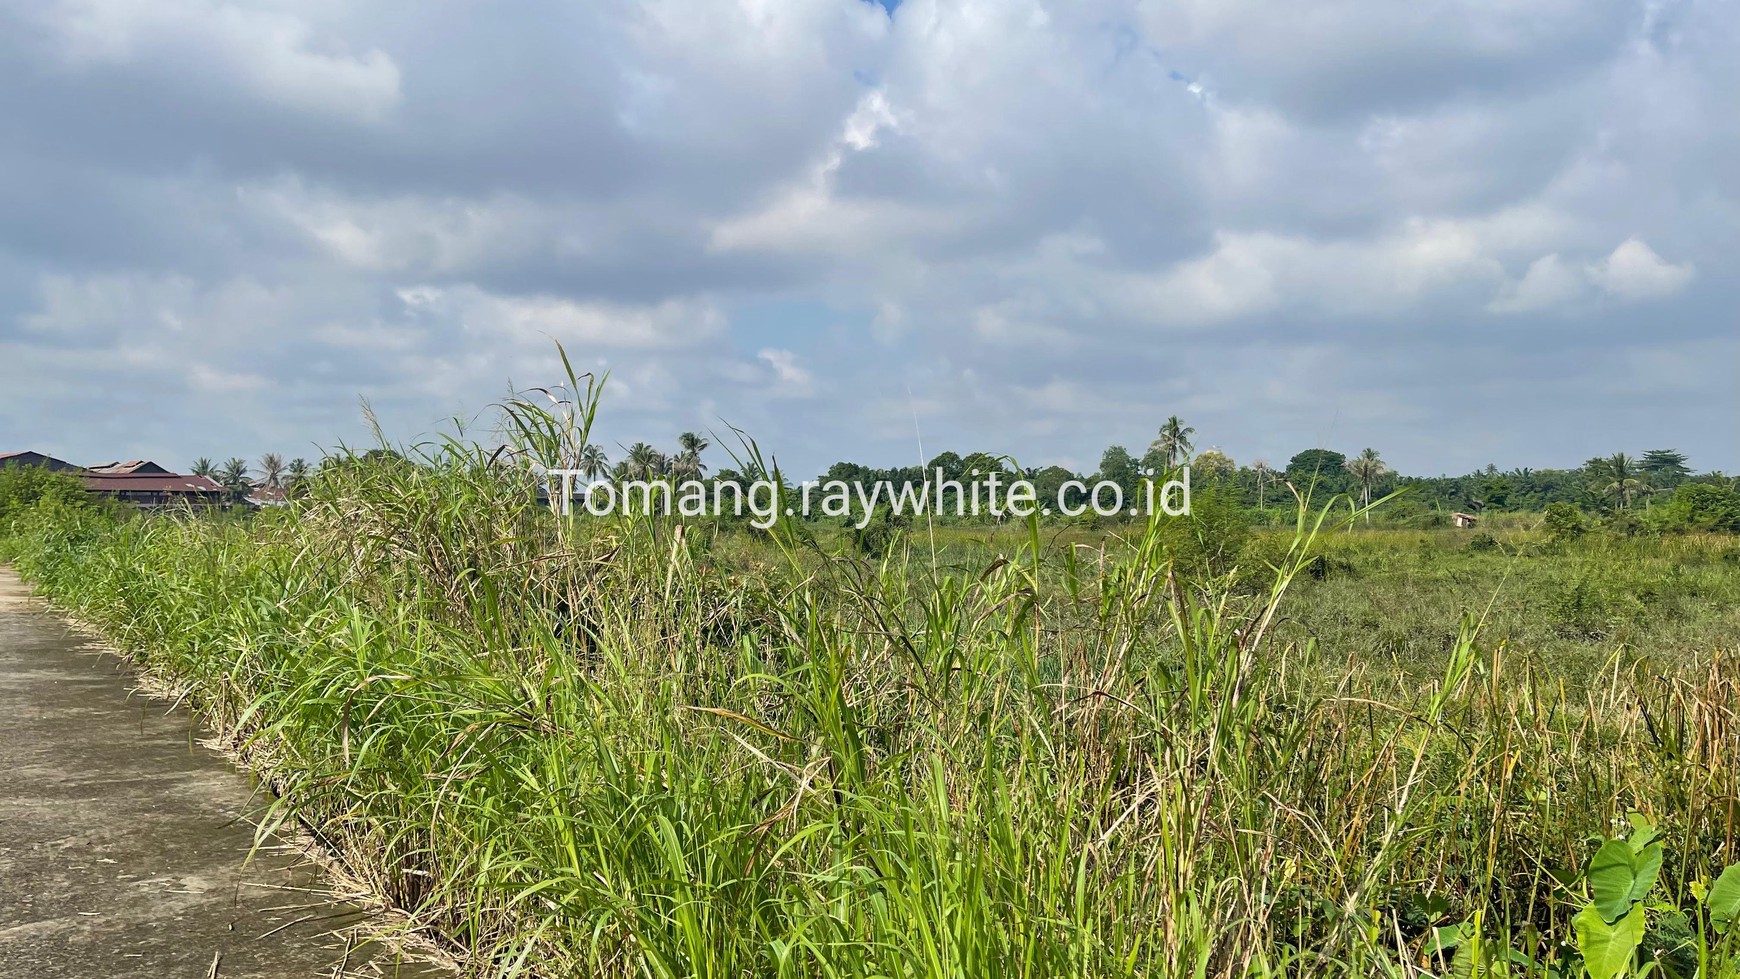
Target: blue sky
{"x": 1461, "y": 233}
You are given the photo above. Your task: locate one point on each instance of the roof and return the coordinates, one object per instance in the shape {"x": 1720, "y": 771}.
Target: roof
{"x": 30, "y": 458}
{"x": 131, "y": 467}
{"x": 149, "y": 483}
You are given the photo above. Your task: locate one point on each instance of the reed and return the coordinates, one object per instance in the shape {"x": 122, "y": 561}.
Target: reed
{"x": 626, "y": 747}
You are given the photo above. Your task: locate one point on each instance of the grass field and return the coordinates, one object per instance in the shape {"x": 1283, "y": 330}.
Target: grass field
{"x": 628, "y": 748}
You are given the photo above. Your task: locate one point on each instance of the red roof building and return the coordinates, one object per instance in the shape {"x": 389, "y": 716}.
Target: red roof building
{"x": 155, "y": 489}
{"x": 28, "y": 458}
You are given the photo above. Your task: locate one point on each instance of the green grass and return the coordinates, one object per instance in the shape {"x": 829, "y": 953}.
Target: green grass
{"x": 622, "y": 748}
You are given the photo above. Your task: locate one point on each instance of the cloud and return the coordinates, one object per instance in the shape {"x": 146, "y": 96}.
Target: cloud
{"x": 272, "y": 54}
{"x": 1038, "y": 226}
{"x": 1634, "y": 271}
{"x": 792, "y": 378}
{"x": 1548, "y": 283}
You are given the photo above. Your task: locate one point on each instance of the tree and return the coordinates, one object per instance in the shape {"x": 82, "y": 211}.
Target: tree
{"x": 1213, "y": 465}
{"x": 1118, "y": 466}
{"x": 295, "y": 473}
{"x": 593, "y": 462}
{"x": 1265, "y": 476}
{"x": 644, "y": 461}
{"x": 688, "y": 461}
{"x": 1174, "y": 441}
{"x": 272, "y": 470}
{"x": 1665, "y": 468}
{"x": 1367, "y": 469}
{"x": 233, "y": 475}
{"x": 205, "y": 467}
{"x": 1315, "y": 468}
{"x": 1616, "y": 476}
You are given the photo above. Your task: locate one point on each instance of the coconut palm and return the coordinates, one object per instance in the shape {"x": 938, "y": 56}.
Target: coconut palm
{"x": 1265, "y": 476}
{"x": 203, "y": 466}
{"x": 1367, "y": 469}
{"x": 643, "y": 461}
{"x": 1174, "y": 441}
{"x": 593, "y": 462}
{"x": 1617, "y": 476}
{"x": 272, "y": 471}
{"x": 295, "y": 473}
{"x": 233, "y": 475}
{"x": 688, "y": 461}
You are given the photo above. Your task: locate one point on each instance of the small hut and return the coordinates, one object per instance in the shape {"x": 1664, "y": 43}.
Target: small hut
{"x": 1463, "y": 520}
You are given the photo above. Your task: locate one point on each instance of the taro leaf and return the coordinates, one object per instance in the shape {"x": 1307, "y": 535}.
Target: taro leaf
{"x": 1449, "y": 936}
{"x": 1724, "y": 899}
{"x": 1642, "y": 831}
{"x": 1608, "y": 949}
{"x": 1647, "y": 866}
{"x": 1613, "y": 876}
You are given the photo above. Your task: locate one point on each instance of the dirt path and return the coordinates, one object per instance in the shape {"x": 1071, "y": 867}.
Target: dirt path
{"x": 123, "y": 851}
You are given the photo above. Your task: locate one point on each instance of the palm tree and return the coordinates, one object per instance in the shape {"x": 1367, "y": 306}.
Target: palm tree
{"x": 233, "y": 475}
{"x": 1617, "y": 476}
{"x": 688, "y": 462}
{"x": 272, "y": 471}
{"x": 1265, "y": 475}
{"x": 643, "y": 460}
{"x": 1174, "y": 441}
{"x": 204, "y": 467}
{"x": 593, "y": 462}
{"x": 1367, "y": 468}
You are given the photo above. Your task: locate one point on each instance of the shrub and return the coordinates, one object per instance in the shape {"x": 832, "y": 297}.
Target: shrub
{"x": 22, "y": 487}
{"x": 1564, "y": 522}
{"x": 1701, "y": 506}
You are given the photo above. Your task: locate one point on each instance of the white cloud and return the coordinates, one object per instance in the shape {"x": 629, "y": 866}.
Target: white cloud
{"x": 581, "y": 326}
{"x": 793, "y": 379}
{"x": 1634, "y": 271}
{"x": 1547, "y": 284}
{"x": 273, "y": 54}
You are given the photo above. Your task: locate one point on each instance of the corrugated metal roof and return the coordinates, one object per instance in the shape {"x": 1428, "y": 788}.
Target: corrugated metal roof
{"x": 149, "y": 483}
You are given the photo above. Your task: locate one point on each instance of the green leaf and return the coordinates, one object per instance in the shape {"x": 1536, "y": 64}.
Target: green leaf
{"x": 1647, "y": 867}
{"x": 1448, "y": 937}
{"x": 1724, "y": 899}
{"x": 1608, "y": 949}
{"x": 1612, "y": 876}
{"x": 1642, "y": 831}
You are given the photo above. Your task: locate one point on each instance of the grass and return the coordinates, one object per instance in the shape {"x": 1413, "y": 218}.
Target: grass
{"x": 627, "y": 748}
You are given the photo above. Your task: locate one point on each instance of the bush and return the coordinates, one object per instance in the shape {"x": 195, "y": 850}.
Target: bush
{"x": 1564, "y": 522}
{"x": 1210, "y": 541}
{"x": 1701, "y": 507}
{"x": 22, "y": 487}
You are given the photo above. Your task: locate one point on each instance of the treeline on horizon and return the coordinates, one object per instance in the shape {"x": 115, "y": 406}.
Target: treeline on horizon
{"x": 1655, "y": 490}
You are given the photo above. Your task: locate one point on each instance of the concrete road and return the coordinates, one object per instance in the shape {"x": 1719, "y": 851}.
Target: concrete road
{"x": 124, "y": 843}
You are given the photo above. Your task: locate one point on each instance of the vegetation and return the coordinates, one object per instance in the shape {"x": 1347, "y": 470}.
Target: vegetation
{"x": 1179, "y": 747}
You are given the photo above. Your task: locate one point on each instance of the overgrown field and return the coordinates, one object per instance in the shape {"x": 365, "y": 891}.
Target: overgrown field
{"x": 628, "y": 748}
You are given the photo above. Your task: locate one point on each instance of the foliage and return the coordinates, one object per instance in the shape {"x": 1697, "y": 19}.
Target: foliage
{"x": 630, "y": 746}
{"x": 23, "y": 487}
{"x": 1564, "y": 522}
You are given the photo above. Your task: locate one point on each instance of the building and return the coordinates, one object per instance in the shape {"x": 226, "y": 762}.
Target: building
{"x": 1463, "y": 520}
{"x": 154, "y": 489}
{"x": 137, "y": 482}
{"x": 28, "y": 458}
{"x": 135, "y": 467}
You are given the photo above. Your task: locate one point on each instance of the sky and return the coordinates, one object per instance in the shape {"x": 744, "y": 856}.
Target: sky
{"x": 1461, "y": 232}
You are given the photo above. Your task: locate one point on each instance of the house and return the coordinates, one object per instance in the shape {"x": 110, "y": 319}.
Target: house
{"x": 137, "y": 482}
{"x": 262, "y": 495}
{"x": 1463, "y": 520}
{"x": 28, "y": 458}
{"x": 154, "y": 489}
{"x": 135, "y": 467}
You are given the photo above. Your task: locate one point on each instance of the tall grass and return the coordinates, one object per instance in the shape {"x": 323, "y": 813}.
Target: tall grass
{"x": 624, "y": 747}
